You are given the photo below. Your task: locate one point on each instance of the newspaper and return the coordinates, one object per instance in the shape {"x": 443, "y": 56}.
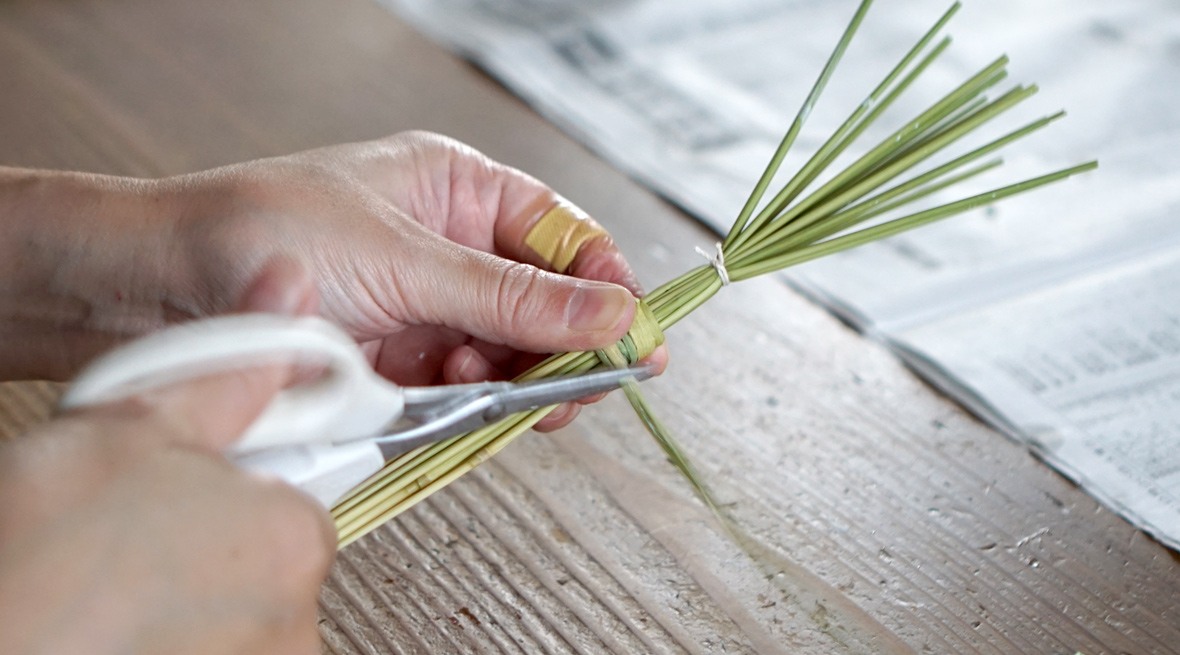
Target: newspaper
{"x": 1054, "y": 316}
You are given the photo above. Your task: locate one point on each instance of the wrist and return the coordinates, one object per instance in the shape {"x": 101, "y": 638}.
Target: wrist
{"x": 86, "y": 261}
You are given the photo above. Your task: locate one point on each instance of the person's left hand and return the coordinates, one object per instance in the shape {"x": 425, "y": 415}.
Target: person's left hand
{"x": 416, "y": 243}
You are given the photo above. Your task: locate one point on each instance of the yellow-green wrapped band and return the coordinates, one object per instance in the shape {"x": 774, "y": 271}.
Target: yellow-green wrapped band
{"x": 559, "y": 234}
{"x": 644, "y": 336}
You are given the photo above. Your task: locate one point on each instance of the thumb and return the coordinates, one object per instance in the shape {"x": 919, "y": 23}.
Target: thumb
{"x": 516, "y": 304}
{"x": 213, "y": 411}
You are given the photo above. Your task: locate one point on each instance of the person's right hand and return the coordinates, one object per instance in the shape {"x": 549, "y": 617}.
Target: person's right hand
{"x": 124, "y": 530}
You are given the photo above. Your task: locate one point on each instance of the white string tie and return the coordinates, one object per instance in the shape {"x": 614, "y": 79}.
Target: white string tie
{"x": 718, "y": 263}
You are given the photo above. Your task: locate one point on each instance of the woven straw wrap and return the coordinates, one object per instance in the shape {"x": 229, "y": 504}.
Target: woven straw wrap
{"x": 644, "y": 336}
{"x": 559, "y": 235}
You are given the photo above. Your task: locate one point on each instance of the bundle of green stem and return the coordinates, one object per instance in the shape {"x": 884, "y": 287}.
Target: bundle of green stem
{"x": 790, "y": 228}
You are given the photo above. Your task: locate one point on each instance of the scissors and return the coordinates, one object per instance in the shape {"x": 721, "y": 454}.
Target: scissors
{"x": 329, "y": 435}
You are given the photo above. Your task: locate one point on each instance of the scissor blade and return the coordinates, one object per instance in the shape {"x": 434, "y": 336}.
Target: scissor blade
{"x": 542, "y": 393}
{"x": 470, "y": 407}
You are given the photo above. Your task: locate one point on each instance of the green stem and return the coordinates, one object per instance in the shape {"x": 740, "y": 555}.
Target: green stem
{"x": 797, "y": 125}
{"x": 900, "y": 225}
{"x": 852, "y": 127}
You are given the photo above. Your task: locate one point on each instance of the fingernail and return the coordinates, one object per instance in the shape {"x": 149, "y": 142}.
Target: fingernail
{"x": 463, "y": 372}
{"x": 597, "y": 307}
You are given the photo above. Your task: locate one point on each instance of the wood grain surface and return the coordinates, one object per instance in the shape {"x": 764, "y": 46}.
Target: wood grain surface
{"x": 893, "y": 521}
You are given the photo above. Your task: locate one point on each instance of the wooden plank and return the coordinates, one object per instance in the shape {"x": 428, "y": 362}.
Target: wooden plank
{"x": 907, "y": 519}
{"x": 24, "y": 405}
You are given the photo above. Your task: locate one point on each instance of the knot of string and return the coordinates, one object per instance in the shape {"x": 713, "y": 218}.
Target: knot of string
{"x": 718, "y": 262}
{"x": 644, "y": 336}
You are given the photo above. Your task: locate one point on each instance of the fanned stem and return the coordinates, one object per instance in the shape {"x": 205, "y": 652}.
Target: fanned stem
{"x": 797, "y": 125}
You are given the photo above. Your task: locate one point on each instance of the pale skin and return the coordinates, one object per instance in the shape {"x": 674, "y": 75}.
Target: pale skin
{"x": 123, "y": 530}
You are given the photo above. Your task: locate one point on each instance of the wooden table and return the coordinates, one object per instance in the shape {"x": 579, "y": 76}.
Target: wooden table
{"x": 899, "y": 522}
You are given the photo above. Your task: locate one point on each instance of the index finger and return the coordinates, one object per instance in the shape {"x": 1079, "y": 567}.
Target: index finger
{"x": 213, "y": 411}
{"x": 480, "y": 203}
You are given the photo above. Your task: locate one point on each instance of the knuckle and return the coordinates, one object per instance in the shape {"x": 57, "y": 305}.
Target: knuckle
{"x": 423, "y": 136}
{"x": 518, "y": 298}
{"x": 440, "y": 147}
{"x": 423, "y": 141}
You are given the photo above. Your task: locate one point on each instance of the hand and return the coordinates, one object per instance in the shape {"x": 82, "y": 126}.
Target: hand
{"x": 416, "y": 243}
{"x": 123, "y": 530}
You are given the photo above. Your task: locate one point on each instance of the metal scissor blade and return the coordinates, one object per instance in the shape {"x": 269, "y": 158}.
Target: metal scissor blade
{"x": 553, "y": 391}
{"x": 444, "y": 412}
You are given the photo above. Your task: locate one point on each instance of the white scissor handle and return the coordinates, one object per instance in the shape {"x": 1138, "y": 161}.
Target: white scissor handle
{"x": 349, "y": 402}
